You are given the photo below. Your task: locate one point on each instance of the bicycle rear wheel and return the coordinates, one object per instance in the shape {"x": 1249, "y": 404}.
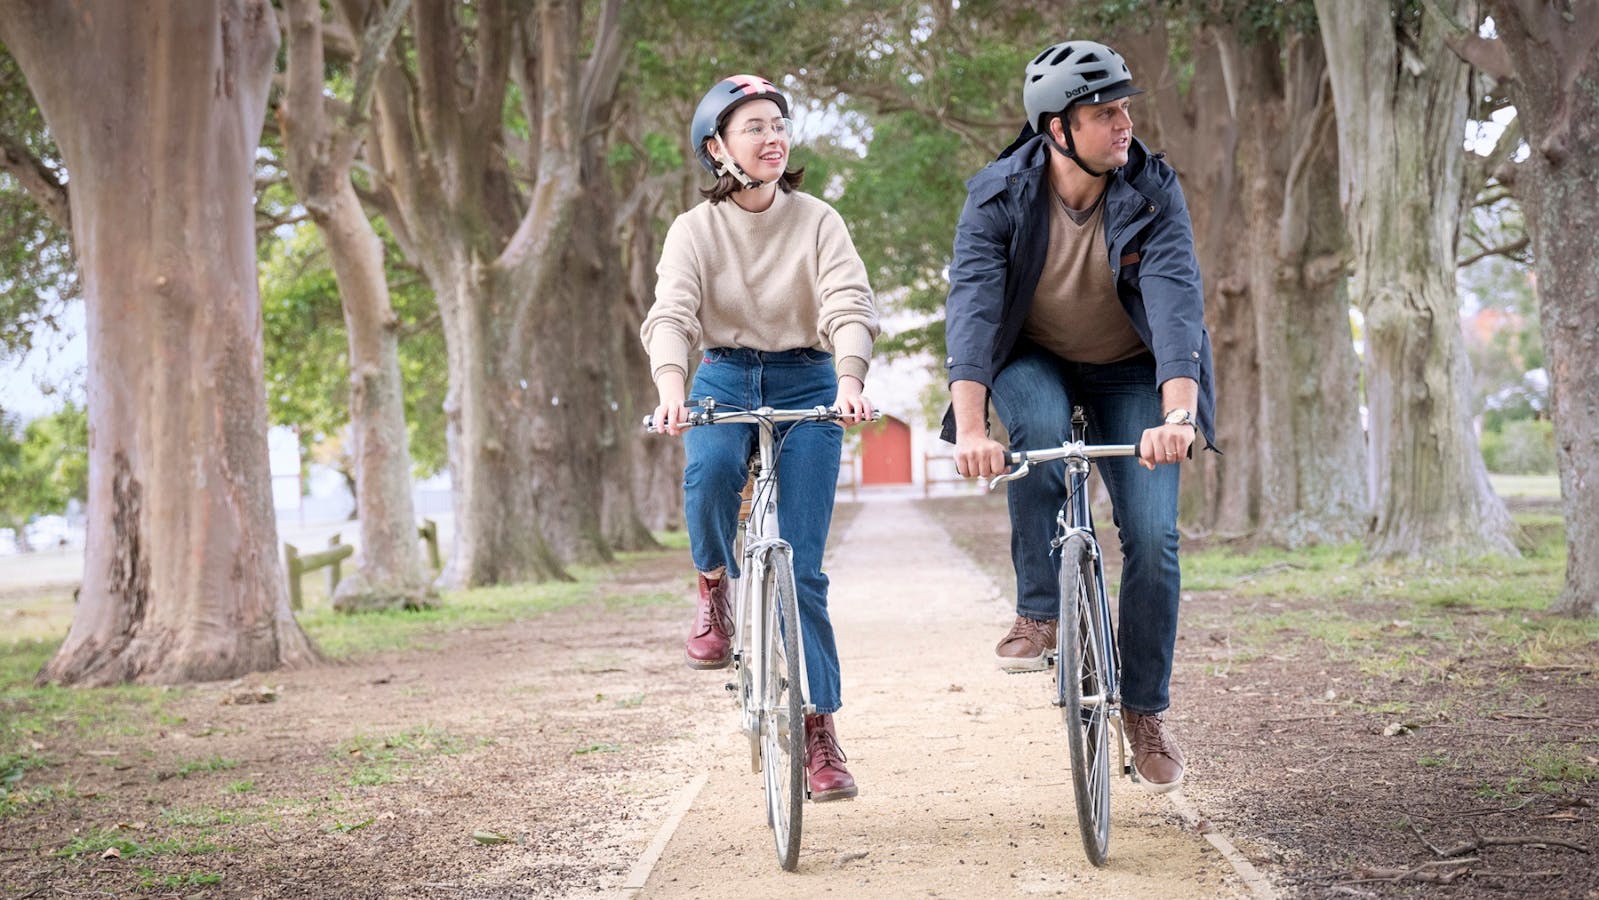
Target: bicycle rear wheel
{"x": 1080, "y": 684}
{"x": 783, "y": 710}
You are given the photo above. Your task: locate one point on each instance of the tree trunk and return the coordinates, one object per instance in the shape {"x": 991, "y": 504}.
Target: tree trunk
{"x": 1267, "y": 231}
{"x": 657, "y": 468}
{"x": 157, "y": 119}
{"x": 388, "y": 571}
{"x": 1305, "y": 408}
{"x": 525, "y": 320}
{"x": 1556, "y": 94}
{"x": 1401, "y": 96}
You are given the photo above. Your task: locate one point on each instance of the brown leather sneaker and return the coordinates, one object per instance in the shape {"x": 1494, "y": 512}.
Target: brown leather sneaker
{"x": 1024, "y": 648}
{"x": 710, "y": 641}
{"x": 824, "y": 762}
{"x": 1156, "y": 757}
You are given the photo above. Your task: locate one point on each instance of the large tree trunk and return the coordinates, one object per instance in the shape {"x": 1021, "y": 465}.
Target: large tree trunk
{"x": 388, "y": 570}
{"x": 1556, "y": 94}
{"x": 1268, "y": 232}
{"x": 1306, "y": 403}
{"x": 157, "y": 117}
{"x": 1401, "y": 96}
{"x": 526, "y": 336}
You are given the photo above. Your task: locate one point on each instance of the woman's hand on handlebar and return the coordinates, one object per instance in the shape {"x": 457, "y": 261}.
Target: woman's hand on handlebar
{"x": 672, "y": 411}
{"x": 852, "y": 405}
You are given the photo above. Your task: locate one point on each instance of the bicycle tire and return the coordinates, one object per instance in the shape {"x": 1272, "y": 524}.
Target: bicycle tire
{"x": 783, "y": 711}
{"x": 1080, "y": 682}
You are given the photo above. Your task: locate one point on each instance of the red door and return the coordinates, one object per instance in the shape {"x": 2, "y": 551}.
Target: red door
{"x": 886, "y": 452}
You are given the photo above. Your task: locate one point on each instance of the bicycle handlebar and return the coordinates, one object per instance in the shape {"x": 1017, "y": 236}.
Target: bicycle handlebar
{"x": 1023, "y": 459}
{"x": 712, "y": 415}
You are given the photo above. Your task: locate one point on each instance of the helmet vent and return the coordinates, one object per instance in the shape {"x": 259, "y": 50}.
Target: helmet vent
{"x": 1061, "y": 56}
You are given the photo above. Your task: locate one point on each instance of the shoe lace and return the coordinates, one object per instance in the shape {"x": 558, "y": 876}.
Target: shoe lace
{"x": 721, "y": 610}
{"x": 1034, "y": 630}
{"x": 824, "y": 748}
{"x": 1149, "y": 735}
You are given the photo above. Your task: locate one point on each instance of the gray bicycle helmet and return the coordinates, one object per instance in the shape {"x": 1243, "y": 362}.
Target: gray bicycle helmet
{"x": 719, "y": 102}
{"x": 1073, "y": 72}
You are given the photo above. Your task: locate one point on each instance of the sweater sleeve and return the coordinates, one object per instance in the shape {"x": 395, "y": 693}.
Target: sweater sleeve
{"x": 848, "y": 323}
{"x": 671, "y": 328}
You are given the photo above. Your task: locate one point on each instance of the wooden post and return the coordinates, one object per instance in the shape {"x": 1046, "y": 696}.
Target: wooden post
{"x": 334, "y": 570}
{"x": 429, "y": 531}
{"x": 292, "y": 555}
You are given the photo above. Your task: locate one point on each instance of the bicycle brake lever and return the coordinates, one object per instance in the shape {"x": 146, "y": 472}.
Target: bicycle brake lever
{"x": 1020, "y": 471}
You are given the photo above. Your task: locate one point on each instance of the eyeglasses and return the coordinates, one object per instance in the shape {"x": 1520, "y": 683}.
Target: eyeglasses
{"x": 758, "y": 130}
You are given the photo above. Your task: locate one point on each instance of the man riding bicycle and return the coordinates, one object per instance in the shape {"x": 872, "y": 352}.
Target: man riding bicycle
{"x": 1074, "y": 281}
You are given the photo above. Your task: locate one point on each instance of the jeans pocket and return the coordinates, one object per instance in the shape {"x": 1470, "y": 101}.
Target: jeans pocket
{"x": 816, "y": 357}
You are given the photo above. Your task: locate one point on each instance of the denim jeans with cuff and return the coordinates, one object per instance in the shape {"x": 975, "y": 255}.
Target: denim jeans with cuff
{"x": 1033, "y": 395}
{"x": 807, "y": 474}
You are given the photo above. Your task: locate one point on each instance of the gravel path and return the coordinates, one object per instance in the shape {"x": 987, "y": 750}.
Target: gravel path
{"x": 964, "y": 790}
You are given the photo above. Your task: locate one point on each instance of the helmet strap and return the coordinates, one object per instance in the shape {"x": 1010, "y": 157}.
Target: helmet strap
{"x": 729, "y": 167}
{"x": 1070, "y": 150}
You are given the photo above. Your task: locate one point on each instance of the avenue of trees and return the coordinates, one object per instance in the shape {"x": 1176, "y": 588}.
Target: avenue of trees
{"x": 452, "y": 211}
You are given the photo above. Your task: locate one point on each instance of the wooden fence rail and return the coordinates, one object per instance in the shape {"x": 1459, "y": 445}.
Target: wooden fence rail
{"x": 336, "y": 553}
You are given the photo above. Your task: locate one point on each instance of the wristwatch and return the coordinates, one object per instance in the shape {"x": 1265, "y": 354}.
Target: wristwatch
{"x": 1181, "y": 417}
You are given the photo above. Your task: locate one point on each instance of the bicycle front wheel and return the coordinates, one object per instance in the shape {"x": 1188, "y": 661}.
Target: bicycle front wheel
{"x": 1081, "y": 692}
{"x": 783, "y": 709}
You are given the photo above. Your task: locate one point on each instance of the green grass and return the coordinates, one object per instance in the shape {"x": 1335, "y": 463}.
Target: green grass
{"x": 150, "y": 880}
{"x": 1557, "y": 766}
{"x": 342, "y": 635}
{"x": 204, "y": 817}
{"x": 1542, "y": 487}
{"x": 209, "y": 764}
{"x": 100, "y": 840}
{"x": 380, "y": 760}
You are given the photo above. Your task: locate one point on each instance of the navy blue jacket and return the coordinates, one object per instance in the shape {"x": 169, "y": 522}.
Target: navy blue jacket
{"x": 1000, "y": 243}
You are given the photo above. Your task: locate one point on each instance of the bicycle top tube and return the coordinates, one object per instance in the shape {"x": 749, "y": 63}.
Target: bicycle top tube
{"x": 1023, "y": 459}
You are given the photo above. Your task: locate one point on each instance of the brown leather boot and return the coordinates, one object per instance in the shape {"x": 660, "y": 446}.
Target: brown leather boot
{"x": 824, "y": 761}
{"x": 710, "y": 641}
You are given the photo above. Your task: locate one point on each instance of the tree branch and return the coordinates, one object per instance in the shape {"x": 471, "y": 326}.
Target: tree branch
{"x": 38, "y": 179}
{"x": 1487, "y": 54}
{"x": 604, "y": 67}
{"x": 1506, "y": 250}
{"x": 373, "y": 47}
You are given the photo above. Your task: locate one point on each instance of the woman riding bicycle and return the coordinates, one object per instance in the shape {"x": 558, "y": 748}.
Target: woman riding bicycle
{"x": 770, "y": 287}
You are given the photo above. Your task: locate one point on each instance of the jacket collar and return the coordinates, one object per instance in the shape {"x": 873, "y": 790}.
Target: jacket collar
{"x": 1029, "y": 154}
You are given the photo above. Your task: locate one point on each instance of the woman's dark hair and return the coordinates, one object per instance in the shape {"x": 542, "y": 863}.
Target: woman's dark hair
{"x": 726, "y": 185}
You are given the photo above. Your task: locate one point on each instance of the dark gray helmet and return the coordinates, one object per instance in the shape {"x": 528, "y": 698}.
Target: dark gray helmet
{"x": 1073, "y": 72}
{"x": 729, "y": 94}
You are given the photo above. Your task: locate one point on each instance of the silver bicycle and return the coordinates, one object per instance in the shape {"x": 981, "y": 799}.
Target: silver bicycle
{"x": 1086, "y": 662}
{"x": 768, "y": 670}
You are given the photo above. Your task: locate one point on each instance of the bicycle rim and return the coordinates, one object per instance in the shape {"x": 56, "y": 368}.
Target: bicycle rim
{"x": 783, "y": 713}
{"x": 1080, "y": 685}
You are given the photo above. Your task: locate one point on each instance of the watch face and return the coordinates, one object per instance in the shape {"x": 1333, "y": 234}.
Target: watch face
{"x": 1179, "y": 417}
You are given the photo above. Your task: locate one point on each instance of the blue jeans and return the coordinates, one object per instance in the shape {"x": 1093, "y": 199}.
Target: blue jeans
{"x": 1033, "y": 395}
{"x": 807, "y": 474}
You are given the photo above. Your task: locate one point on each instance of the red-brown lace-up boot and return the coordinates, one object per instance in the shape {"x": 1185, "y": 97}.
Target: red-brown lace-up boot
{"x": 824, "y": 761}
{"x": 710, "y": 641}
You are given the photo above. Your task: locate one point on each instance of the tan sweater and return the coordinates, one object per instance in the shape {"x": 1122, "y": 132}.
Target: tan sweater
{"x": 782, "y": 279}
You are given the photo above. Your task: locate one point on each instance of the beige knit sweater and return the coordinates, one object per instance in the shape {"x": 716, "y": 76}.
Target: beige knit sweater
{"x": 782, "y": 279}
